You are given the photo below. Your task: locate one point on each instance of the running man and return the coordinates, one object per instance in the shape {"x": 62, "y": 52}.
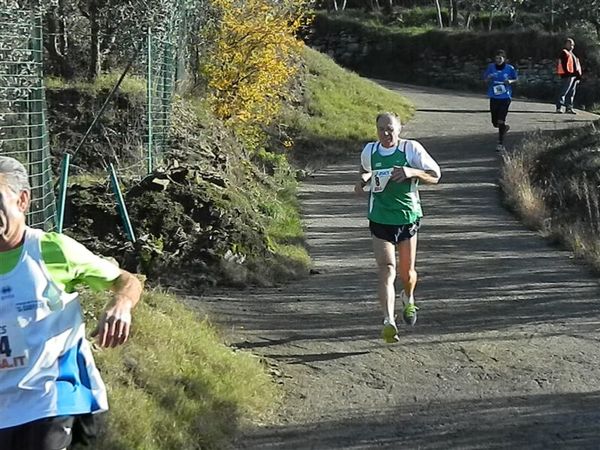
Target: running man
{"x": 500, "y": 77}
{"x": 394, "y": 167}
{"x": 49, "y": 384}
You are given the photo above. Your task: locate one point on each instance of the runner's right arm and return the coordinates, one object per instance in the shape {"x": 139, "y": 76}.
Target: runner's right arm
{"x": 364, "y": 171}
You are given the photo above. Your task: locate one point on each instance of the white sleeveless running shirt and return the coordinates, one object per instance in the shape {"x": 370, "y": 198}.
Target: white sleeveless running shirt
{"x": 46, "y": 366}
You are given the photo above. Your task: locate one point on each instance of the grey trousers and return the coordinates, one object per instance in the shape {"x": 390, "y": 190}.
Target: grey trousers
{"x": 566, "y": 94}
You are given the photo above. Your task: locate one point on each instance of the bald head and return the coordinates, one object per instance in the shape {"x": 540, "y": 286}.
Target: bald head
{"x": 389, "y": 117}
{"x": 388, "y": 129}
{"x": 569, "y": 44}
{"x": 13, "y": 175}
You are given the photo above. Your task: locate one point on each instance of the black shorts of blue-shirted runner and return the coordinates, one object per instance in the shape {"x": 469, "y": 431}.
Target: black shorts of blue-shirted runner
{"x": 499, "y": 110}
{"x": 50, "y": 433}
{"x": 394, "y": 233}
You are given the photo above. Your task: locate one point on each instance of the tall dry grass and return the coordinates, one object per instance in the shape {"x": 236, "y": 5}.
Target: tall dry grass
{"x": 553, "y": 184}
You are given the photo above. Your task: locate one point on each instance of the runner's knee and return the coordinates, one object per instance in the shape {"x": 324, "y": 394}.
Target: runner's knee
{"x": 408, "y": 276}
{"x": 387, "y": 271}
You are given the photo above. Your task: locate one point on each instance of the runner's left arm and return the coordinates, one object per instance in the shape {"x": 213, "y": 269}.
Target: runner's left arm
{"x": 76, "y": 265}
{"x": 421, "y": 166}
{"x": 115, "y": 322}
{"x": 512, "y": 77}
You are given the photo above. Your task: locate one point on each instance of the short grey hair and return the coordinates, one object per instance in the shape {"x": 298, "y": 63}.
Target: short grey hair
{"x": 14, "y": 174}
{"x": 388, "y": 115}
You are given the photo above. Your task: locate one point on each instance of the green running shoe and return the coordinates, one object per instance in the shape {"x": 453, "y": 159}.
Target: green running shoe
{"x": 389, "y": 332}
{"x": 410, "y": 314}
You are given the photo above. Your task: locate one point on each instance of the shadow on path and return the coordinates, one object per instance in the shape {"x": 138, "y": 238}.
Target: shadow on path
{"x": 505, "y": 352}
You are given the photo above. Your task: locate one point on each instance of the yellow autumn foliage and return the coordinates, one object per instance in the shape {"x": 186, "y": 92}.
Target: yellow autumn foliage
{"x": 252, "y": 58}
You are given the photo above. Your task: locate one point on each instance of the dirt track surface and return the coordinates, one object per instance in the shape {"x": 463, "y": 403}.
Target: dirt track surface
{"x": 506, "y": 351}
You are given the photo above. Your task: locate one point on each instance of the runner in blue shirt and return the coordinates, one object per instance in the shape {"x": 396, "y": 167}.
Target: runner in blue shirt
{"x": 500, "y": 76}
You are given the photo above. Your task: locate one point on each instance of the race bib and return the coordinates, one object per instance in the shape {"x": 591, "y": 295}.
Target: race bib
{"x": 380, "y": 179}
{"x": 14, "y": 353}
{"x": 499, "y": 89}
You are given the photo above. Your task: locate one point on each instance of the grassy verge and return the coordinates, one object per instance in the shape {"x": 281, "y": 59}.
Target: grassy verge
{"x": 133, "y": 85}
{"x": 338, "y": 111}
{"x": 552, "y": 184}
{"x": 174, "y": 385}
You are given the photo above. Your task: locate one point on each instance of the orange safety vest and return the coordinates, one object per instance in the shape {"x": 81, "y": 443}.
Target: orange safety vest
{"x": 573, "y": 65}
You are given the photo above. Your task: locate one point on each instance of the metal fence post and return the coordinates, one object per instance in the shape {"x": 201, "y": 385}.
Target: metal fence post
{"x": 149, "y": 100}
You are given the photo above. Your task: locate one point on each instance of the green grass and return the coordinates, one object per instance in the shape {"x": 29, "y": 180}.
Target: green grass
{"x": 342, "y": 105}
{"x": 174, "y": 385}
{"x": 285, "y": 230}
{"x": 411, "y": 22}
{"x": 338, "y": 111}
{"x": 131, "y": 84}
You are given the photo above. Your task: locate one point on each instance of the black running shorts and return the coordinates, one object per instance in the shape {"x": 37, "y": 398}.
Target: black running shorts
{"x": 51, "y": 433}
{"x": 394, "y": 233}
{"x": 499, "y": 109}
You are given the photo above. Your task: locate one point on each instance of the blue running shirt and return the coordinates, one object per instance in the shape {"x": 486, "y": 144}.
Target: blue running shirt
{"x": 496, "y": 87}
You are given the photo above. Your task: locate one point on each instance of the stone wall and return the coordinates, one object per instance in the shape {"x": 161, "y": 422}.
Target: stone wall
{"x": 406, "y": 58}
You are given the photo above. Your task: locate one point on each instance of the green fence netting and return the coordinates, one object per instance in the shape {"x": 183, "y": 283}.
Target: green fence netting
{"x": 23, "y": 125}
{"x": 161, "y": 66}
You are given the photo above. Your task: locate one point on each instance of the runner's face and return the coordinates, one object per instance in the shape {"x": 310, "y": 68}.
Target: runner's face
{"x": 499, "y": 59}
{"x": 13, "y": 207}
{"x": 388, "y": 131}
{"x": 569, "y": 45}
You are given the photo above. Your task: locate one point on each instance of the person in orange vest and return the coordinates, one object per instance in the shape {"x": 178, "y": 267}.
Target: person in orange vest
{"x": 568, "y": 69}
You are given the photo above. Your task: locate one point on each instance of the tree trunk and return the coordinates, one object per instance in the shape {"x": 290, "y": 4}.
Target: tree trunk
{"x": 56, "y": 42}
{"x": 344, "y": 5}
{"x": 439, "y": 13}
{"x": 490, "y": 23}
{"x": 454, "y": 12}
{"x": 387, "y": 9}
{"x": 468, "y": 21}
{"x": 95, "y": 57}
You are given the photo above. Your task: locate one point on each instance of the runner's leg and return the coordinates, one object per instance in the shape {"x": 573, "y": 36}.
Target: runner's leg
{"x": 386, "y": 274}
{"x": 502, "y": 126}
{"x": 407, "y": 256}
{"x": 52, "y": 433}
{"x": 494, "y": 112}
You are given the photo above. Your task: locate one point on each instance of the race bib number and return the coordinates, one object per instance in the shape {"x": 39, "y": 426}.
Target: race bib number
{"x": 13, "y": 349}
{"x": 499, "y": 89}
{"x": 380, "y": 180}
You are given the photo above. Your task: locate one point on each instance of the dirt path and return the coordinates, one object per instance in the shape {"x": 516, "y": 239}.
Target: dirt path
{"x": 506, "y": 351}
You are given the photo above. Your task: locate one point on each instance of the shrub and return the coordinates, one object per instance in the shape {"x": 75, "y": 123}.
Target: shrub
{"x": 254, "y": 56}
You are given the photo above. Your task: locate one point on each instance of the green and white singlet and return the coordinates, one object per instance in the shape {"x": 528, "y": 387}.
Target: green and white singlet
{"x": 392, "y": 203}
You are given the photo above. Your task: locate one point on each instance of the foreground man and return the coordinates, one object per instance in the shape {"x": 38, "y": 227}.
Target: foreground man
{"x": 49, "y": 384}
{"x": 395, "y": 167}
